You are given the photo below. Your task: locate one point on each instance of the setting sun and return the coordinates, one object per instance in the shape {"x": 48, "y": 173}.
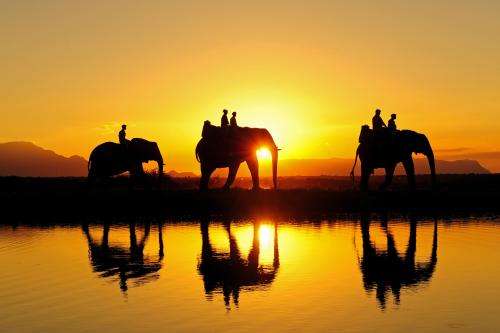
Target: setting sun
{"x": 263, "y": 154}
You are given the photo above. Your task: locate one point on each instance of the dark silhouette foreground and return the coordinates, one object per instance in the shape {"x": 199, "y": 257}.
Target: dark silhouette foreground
{"x": 109, "y": 159}
{"x": 385, "y": 148}
{"x": 229, "y": 147}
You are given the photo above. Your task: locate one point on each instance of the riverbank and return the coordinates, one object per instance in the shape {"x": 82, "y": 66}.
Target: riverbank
{"x": 70, "y": 197}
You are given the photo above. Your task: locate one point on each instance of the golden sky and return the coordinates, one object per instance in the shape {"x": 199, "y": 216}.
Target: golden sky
{"x": 311, "y": 72}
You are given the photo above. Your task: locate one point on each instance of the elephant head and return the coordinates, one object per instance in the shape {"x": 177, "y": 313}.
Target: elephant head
{"x": 148, "y": 151}
{"x": 265, "y": 140}
{"x": 421, "y": 145}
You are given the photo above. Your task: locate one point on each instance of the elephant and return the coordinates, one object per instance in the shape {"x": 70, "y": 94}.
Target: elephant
{"x": 110, "y": 159}
{"x": 230, "y": 272}
{"x": 127, "y": 264}
{"x": 229, "y": 147}
{"x": 385, "y": 149}
{"x": 386, "y": 270}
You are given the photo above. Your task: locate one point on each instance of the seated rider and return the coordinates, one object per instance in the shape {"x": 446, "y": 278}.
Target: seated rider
{"x": 377, "y": 121}
{"x": 233, "y": 120}
{"x": 223, "y": 120}
{"x": 391, "y": 124}
{"x": 121, "y": 136}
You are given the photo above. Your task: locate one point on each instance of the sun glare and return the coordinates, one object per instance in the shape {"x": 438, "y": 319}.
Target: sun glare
{"x": 264, "y": 235}
{"x": 263, "y": 154}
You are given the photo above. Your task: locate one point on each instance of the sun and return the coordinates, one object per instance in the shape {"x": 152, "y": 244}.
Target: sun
{"x": 263, "y": 154}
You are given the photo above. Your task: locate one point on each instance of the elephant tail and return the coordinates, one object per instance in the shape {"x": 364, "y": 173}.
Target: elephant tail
{"x": 354, "y": 166}
{"x": 196, "y": 152}
{"x": 90, "y": 161}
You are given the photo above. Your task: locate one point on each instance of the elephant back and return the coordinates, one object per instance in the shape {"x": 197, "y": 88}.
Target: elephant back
{"x": 210, "y": 131}
{"x": 364, "y": 134}
{"x": 104, "y": 150}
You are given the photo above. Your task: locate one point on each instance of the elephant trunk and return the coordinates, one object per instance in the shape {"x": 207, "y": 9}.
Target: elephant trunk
{"x": 160, "y": 172}
{"x": 432, "y": 166}
{"x": 275, "y": 167}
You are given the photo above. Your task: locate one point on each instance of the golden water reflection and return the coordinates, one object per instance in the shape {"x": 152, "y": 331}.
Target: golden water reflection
{"x": 374, "y": 273}
{"x": 124, "y": 263}
{"x": 385, "y": 270}
{"x": 230, "y": 271}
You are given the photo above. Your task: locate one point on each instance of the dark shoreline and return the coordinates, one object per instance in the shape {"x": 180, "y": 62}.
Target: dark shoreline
{"x": 67, "y": 198}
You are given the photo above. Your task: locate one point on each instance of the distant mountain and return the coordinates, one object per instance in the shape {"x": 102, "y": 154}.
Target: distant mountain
{"x": 28, "y": 160}
{"x": 175, "y": 174}
{"x": 25, "y": 159}
{"x": 342, "y": 167}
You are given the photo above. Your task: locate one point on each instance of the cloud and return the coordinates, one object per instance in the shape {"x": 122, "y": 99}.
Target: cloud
{"x": 451, "y": 150}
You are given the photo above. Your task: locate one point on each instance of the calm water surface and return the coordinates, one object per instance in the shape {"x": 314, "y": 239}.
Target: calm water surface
{"x": 252, "y": 276}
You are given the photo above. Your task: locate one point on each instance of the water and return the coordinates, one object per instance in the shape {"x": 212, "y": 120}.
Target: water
{"x": 356, "y": 275}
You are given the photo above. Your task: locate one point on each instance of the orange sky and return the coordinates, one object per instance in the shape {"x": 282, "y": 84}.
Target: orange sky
{"x": 311, "y": 72}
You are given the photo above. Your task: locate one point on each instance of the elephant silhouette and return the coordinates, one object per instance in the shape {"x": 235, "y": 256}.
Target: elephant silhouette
{"x": 386, "y": 270}
{"x": 229, "y": 147}
{"x": 229, "y": 271}
{"x": 126, "y": 264}
{"x": 109, "y": 158}
{"x": 385, "y": 149}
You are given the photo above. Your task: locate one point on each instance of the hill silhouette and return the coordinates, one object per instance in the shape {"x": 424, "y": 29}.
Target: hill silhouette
{"x": 342, "y": 167}
{"x": 26, "y": 159}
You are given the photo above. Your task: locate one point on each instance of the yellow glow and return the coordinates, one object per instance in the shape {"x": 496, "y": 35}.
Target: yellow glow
{"x": 263, "y": 154}
{"x": 264, "y": 235}
{"x": 164, "y": 68}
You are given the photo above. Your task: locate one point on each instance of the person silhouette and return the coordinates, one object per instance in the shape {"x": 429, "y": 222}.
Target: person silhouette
{"x": 223, "y": 120}
{"x": 233, "y": 122}
{"x": 377, "y": 122}
{"x": 122, "y": 135}
{"x": 391, "y": 124}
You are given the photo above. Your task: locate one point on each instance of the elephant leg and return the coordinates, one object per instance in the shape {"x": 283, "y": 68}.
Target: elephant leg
{"x": 410, "y": 172}
{"x": 253, "y": 165}
{"x": 365, "y": 175}
{"x": 206, "y": 171}
{"x": 233, "y": 169}
{"x": 136, "y": 172}
{"x": 389, "y": 172}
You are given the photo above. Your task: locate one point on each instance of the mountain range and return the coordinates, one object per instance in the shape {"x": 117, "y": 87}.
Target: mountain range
{"x": 26, "y": 159}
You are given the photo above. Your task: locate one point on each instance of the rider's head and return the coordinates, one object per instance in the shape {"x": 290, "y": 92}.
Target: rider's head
{"x": 234, "y": 114}
{"x": 124, "y": 126}
{"x": 393, "y": 116}
{"x": 224, "y": 111}
{"x": 377, "y": 111}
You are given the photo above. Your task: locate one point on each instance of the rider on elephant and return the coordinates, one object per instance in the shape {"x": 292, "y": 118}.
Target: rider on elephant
{"x": 391, "y": 124}
{"x": 233, "y": 122}
{"x": 122, "y": 135}
{"x": 377, "y": 122}
{"x": 223, "y": 120}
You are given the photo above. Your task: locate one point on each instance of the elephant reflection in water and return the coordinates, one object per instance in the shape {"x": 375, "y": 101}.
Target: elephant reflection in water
{"x": 127, "y": 264}
{"x": 229, "y": 271}
{"x": 386, "y": 270}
